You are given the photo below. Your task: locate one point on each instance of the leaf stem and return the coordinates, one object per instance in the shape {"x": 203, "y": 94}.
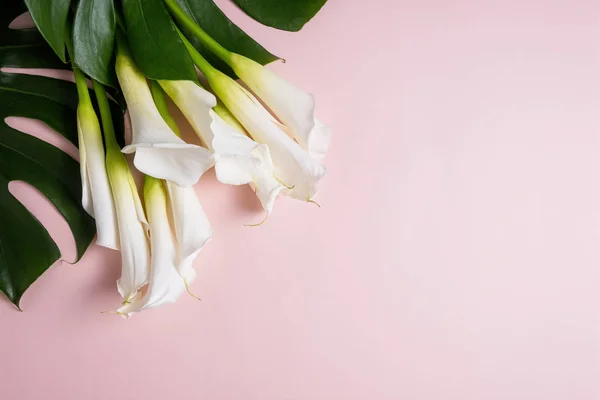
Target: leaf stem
{"x": 106, "y": 117}
{"x": 184, "y": 19}
{"x": 160, "y": 101}
{"x": 82, "y": 88}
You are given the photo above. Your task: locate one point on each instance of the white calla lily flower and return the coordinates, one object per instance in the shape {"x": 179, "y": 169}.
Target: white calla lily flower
{"x": 133, "y": 226}
{"x": 96, "y": 193}
{"x": 178, "y": 231}
{"x": 238, "y": 159}
{"x": 159, "y": 152}
{"x": 264, "y": 183}
{"x": 294, "y": 166}
{"x": 191, "y": 225}
{"x": 293, "y": 107}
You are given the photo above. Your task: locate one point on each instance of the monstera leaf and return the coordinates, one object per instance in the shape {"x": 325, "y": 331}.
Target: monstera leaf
{"x": 158, "y": 51}
{"x": 94, "y": 27}
{"x": 26, "y": 248}
{"x": 51, "y": 18}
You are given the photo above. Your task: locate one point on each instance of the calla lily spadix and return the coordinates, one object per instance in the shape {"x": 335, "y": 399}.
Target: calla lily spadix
{"x": 171, "y": 263}
{"x": 132, "y": 224}
{"x": 96, "y": 193}
{"x": 159, "y": 152}
{"x": 238, "y": 159}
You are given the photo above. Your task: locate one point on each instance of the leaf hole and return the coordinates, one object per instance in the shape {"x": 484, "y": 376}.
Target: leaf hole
{"x": 42, "y": 131}
{"x": 23, "y": 21}
{"x": 61, "y": 74}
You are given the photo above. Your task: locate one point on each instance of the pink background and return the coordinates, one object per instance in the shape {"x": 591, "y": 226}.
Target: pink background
{"x": 456, "y": 255}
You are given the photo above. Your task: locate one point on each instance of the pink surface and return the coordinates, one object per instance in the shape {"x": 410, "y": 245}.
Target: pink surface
{"x": 456, "y": 255}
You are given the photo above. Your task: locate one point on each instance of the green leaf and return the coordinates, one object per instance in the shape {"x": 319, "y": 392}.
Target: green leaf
{"x": 94, "y": 39}
{"x": 154, "y": 42}
{"x": 23, "y": 48}
{"x": 289, "y": 15}
{"x": 50, "y": 16}
{"x": 206, "y": 14}
{"x": 26, "y": 248}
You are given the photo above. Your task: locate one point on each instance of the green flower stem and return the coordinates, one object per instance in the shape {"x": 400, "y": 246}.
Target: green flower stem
{"x": 160, "y": 101}
{"x": 82, "y": 88}
{"x": 197, "y": 31}
{"x": 106, "y": 117}
{"x": 210, "y": 72}
{"x": 197, "y": 58}
{"x": 122, "y": 46}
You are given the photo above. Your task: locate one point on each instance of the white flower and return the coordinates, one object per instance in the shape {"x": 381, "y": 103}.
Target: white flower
{"x": 159, "y": 152}
{"x": 174, "y": 245}
{"x": 292, "y": 106}
{"x": 192, "y": 228}
{"x": 135, "y": 250}
{"x": 238, "y": 159}
{"x": 96, "y": 194}
{"x": 294, "y": 166}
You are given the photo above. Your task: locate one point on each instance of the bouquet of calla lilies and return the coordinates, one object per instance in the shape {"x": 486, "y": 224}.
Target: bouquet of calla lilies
{"x": 254, "y": 127}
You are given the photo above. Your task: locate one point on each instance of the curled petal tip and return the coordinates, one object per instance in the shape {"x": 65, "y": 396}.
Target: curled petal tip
{"x": 313, "y": 202}
{"x": 187, "y": 289}
{"x": 120, "y": 314}
{"x": 261, "y": 222}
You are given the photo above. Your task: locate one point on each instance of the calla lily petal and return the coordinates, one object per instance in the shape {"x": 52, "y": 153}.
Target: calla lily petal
{"x": 133, "y": 226}
{"x": 318, "y": 140}
{"x": 293, "y": 165}
{"x": 238, "y": 159}
{"x": 178, "y": 231}
{"x": 159, "y": 152}
{"x": 234, "y": 161}
{"x": 96, "y": 193}
{"x": 264, "y": 183}
{"x": 192, "y": 228}
{"x": 294, "y": 107}
{"x": 165, "y": 284}
{"x": 182, "y": 166}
